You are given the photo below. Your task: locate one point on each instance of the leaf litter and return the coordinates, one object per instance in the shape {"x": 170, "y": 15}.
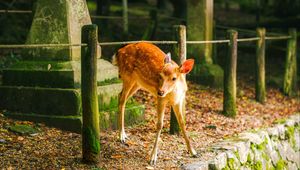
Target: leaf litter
{"x": 52, "y": 148}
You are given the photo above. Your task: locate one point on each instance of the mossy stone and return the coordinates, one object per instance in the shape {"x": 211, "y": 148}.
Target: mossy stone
{"x": 207, "y": 74}
{"x": 23, "y": 129}
{"x": 59, "y": 23}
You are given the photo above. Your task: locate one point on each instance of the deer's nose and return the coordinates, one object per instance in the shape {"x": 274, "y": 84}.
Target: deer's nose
{"x": 160, "y": 92}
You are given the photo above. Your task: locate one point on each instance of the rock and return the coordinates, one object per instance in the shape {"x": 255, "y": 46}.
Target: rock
{"x": 298, "y": 159}
{"x": 22, "y": 129}
{"x": 297, "y": 140}
{"x": 232, "y": 160}
{"x": 243, "y": 149}
{"x": 289, "y": 122}
{"x": 292, "y": 166}
{"x": 196, "y": 166}
{"x": 219, "y": 162}
{"x": 281, "y": 131}
{"x": 296, "y": 118}
{"x": 252, "y": 137}
{"x": 273, "y": 132}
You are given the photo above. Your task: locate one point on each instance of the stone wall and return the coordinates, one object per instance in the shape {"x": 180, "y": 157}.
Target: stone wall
{"x": 277, "y": 148}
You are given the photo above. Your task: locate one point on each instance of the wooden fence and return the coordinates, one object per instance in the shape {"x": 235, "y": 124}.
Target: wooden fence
{"x": 180, "y": 45}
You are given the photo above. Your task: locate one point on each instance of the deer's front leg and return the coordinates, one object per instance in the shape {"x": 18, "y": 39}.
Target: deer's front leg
{"x": 179, "y": 111}
{"x": 161, "y": 104}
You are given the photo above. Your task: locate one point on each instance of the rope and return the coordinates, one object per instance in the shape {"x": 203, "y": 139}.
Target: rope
{"x": 129, "y": 42}
{"x": 206, "y": 42}
{"x": 248, "y": 39}
{"x": 279, "y": 38}
{"x": 15, "y": 11}
{"x": 40, "y": 45}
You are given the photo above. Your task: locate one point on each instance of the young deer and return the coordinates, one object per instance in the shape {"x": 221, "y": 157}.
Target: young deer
{"x": 144, "y": 65}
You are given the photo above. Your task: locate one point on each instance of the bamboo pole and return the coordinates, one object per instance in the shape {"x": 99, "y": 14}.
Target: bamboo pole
{"x": 229, "y": 103}
{"x": 290, "y": 75}
{"x": 90, "y": 115}
{"x": 125, "y": 16}
{"x": 180, "y": 53}
{"x": 260, "y": 87}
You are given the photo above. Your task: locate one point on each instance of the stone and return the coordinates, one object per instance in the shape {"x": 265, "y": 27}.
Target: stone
{"x": 281, "y": 131}
{"x": 252, "y": 137}
{"x": 298, "y": 159}
{"x": 297, "y": 140}
{"x": 23, "y": 129}
{"x": 243, "y": 149}
{"x": 283, "y": 149}
{"x": 273, "y": 132}
{"x": 296, "y": 118}
{"x": 207, "y": 74}
{"x": 59, "y": 22}
{"x": 273, "y": 155}
{"x": 225, "y": 145}
{"x": 219, "y": 162}
{"x": 232, "y": 160}
{"x": 292, "y": 166}
{"x": 196, "y": 166}
{"x": 245, "y": 168}
{"x": 290, "y": 153}
{"x": 289, "y": 122}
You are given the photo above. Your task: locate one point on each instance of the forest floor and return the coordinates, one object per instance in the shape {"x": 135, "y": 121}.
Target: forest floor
{"x": 52, "y": 148}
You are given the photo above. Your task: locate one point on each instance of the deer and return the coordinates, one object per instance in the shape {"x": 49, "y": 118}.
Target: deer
{"x": 144, "y": 66}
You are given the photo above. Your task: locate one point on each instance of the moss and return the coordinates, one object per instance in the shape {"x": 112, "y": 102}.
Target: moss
{"x": 207, "y": 74}
{"x": 51, "y": 101}
{"x": 70, "y": 123}
{"x": 289, "y": 133}
{"x": 41, "y": 65}
{"x": 109, "y": 81}
{"x": 258, "y": 165}
{"x": 281, "y": 164}
{"x": 253, "y": 147}
{"x": 279, "y": 121}
{"x": 230, "y": 163}
{"x": 23, "y": 129}
{"x": 90, "y": 140}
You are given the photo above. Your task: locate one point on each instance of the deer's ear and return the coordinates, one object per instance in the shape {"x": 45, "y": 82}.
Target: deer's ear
{"x": 187, "y": 66}
{"x": 168, "y": 58}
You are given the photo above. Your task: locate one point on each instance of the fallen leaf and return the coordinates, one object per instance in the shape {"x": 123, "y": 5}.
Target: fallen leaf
{"x": 117, "y": 156}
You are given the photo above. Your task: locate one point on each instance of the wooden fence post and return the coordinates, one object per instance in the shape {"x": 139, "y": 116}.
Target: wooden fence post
{"x": 229, "y": 103}
{"x": 260, "y": 87}
{"x": 290, "y": 75}
{"x": 90, "y": 111}
{"x": 125, "y": 16}
{"x": 180, "y": 53}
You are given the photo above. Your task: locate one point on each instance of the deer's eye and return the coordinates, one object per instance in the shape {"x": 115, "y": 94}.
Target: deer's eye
{"x": 174, "y": 78}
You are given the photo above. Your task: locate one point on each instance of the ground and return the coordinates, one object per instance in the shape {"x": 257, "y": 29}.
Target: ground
{"x": 51, "y": 148}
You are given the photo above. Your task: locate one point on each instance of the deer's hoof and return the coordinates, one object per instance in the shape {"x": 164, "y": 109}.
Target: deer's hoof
{"x": 195, "y": 154}
{"x": 153, "y": 161}
{"x": 123, "y": 137}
